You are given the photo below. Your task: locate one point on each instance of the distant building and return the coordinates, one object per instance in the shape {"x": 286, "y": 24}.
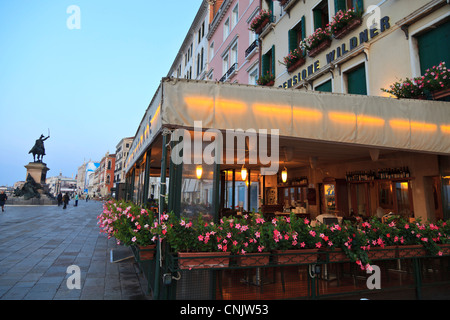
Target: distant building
{"x": 106, "y": 174}
{"x": 83, "y": 176}
{"x": 61, "y": 184}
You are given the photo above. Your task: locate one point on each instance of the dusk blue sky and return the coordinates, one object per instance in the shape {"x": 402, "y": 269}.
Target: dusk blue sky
{"x": 91, "y": 86}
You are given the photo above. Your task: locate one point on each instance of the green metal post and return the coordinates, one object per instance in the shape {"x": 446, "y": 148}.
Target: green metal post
{"x": 417, "y": 277}
{"x": 146, "y": 177}
{"x": 162, "y": 194}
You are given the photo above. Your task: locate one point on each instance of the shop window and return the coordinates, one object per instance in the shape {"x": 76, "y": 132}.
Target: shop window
{"x": 434, "y": 46}
{"x": 320, "y": 14}
{"x": 268, "y": 62}
{"x": 297, "y": 34}
{"x": 325, "y": 87}
{"x": 356, "y": 80}
{"x": 345, "y": 5}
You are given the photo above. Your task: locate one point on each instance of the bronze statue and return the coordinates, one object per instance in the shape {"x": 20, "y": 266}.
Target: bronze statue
{"x": 38, "y": 149}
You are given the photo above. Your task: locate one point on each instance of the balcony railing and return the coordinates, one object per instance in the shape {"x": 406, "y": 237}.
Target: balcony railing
{"x": 251, "y": 48}
{"x": 229, "y": 73}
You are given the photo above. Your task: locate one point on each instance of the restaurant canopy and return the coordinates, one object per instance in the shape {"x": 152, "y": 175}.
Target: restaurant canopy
{"x": 369, "y": 121}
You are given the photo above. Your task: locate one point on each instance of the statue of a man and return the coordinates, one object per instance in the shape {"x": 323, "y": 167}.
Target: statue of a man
{"x": 38, "y": 149}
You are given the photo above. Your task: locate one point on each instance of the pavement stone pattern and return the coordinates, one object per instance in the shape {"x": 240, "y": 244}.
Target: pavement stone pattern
{"x": 39, "y": 243}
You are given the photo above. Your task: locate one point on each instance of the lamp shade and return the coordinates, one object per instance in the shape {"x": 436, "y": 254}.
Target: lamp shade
{"x": 284, "y": 175}
{"x": 199, "y": 172}
{"x": 244, "y": 173}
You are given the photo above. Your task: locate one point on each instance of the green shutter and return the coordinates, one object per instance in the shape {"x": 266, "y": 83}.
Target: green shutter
{"x": 271, "y": 10}
{"x": 273, "y": 60}
{"x": 303, "y": 24}
{"x": 434, "y": 47}
{"x": 339, "y": 5}
{"x": 359, "y": 5}
{"x": 356, "y": 81}
{"x": 317, "y": 19}
{"x": 265, "y": 64}
{"x": 292, "y": 35}
{"x": 324, "y": 87}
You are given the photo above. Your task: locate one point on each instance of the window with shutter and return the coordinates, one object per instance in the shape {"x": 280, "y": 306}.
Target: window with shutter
{"x": 296, "y": 35}
{"x": 345, "y": 5}
{"x": 356, "y": 80}
{"x": 434, "y": 47}
{"x": 320, "y": 15}
{"x": 324, "y": 87}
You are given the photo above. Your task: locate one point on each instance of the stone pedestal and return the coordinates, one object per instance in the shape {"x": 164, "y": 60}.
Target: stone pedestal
{"x": 38, "y": 171}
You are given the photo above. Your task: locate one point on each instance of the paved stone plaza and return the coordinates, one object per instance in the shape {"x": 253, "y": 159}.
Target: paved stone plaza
{"x": 39, "y": 243}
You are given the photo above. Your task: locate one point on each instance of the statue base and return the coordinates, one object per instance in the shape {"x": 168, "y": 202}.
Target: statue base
{"x": 38, "y": 171}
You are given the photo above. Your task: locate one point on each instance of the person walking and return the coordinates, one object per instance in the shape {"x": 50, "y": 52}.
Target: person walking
{"x": 76, "y": 200}
{"x": 59, "y": 198}
{"x": 65, "y": 200}
{"x": 3, "y": 198}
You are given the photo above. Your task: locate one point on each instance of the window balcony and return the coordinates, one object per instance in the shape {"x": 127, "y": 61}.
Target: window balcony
{"x": 251, "y": 50}
{"x": 229, "y": 73}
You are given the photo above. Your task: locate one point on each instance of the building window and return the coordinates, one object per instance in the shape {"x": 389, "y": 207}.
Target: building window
{"x": 211, "y": 51}
{"x": 345, "y": 5}
{"x": 320, "y": 15}
{"x": 226, "y": 29}
{"x": 253, "y": 76}
{"x": 234, "y": 54}
{"x": 268, "y": 62}
{"x": 235, "y": 16}
{"x": 325, "y": 87}
{"x": 434, "y": 46}
{"x": 356, "y": 80}
{"x": 225, "y": 64}
{"x": 297, "y": 34}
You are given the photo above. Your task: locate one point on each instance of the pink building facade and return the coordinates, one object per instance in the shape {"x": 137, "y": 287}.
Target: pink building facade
{"x": 233, "y": 49}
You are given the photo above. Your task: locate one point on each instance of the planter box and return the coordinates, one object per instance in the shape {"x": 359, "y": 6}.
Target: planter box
{"x": 335, "y": 255}
{"x": 253, "y": 259}
{"x": 445, "y": 248}
{"x": 260, "y": 29}
{"x": 386, "y": 253}
{"x": 314, "y": 52}
{"x": 147, "y": 252}
{"x": 296, "y": 65}
{"x": 411, "y": 251}
{"x": 300, "y": 256}
{"x": 345, "y": 30}
{"x": 202, "y": 260}
{"x": 440, "y": 94}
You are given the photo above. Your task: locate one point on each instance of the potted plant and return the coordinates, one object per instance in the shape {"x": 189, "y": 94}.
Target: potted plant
{"x": 130, "y": 225}
{"x": 317, "y": 42}
{"x": 266, "y": 80}
{"x": 198, "y": 243}
{"x": 244, "y": 236}
{"x": 294, "y": 240}
{"x": 294, "y": 60}
{"x": 260, "y": 21}
{"x": 344, "y": 22}
{"x": 435, "y": 84}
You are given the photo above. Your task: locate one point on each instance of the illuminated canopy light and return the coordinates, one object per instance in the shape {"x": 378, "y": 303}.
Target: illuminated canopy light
{"x": 284, "y": 175}
{"x": 199, "y": 172}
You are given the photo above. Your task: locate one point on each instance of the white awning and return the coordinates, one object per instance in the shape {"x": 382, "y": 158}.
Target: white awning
{"x": 409, "y": 125}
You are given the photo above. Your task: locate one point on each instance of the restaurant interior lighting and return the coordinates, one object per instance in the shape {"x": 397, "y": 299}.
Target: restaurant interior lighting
{"x": 243, "y": 173}
{"x": 284, "y": 175}
{"x": 199, "y": 172}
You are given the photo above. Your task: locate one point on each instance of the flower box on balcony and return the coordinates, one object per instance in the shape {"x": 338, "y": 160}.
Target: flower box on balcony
{"x": 411, "y": 251}
{"x": 339, "y": 34}
{"x": 300, "y": 256}
{"x": 322, "y": 46}
{"x": 203, "y": 260}
{"x": 296, "y": 65}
